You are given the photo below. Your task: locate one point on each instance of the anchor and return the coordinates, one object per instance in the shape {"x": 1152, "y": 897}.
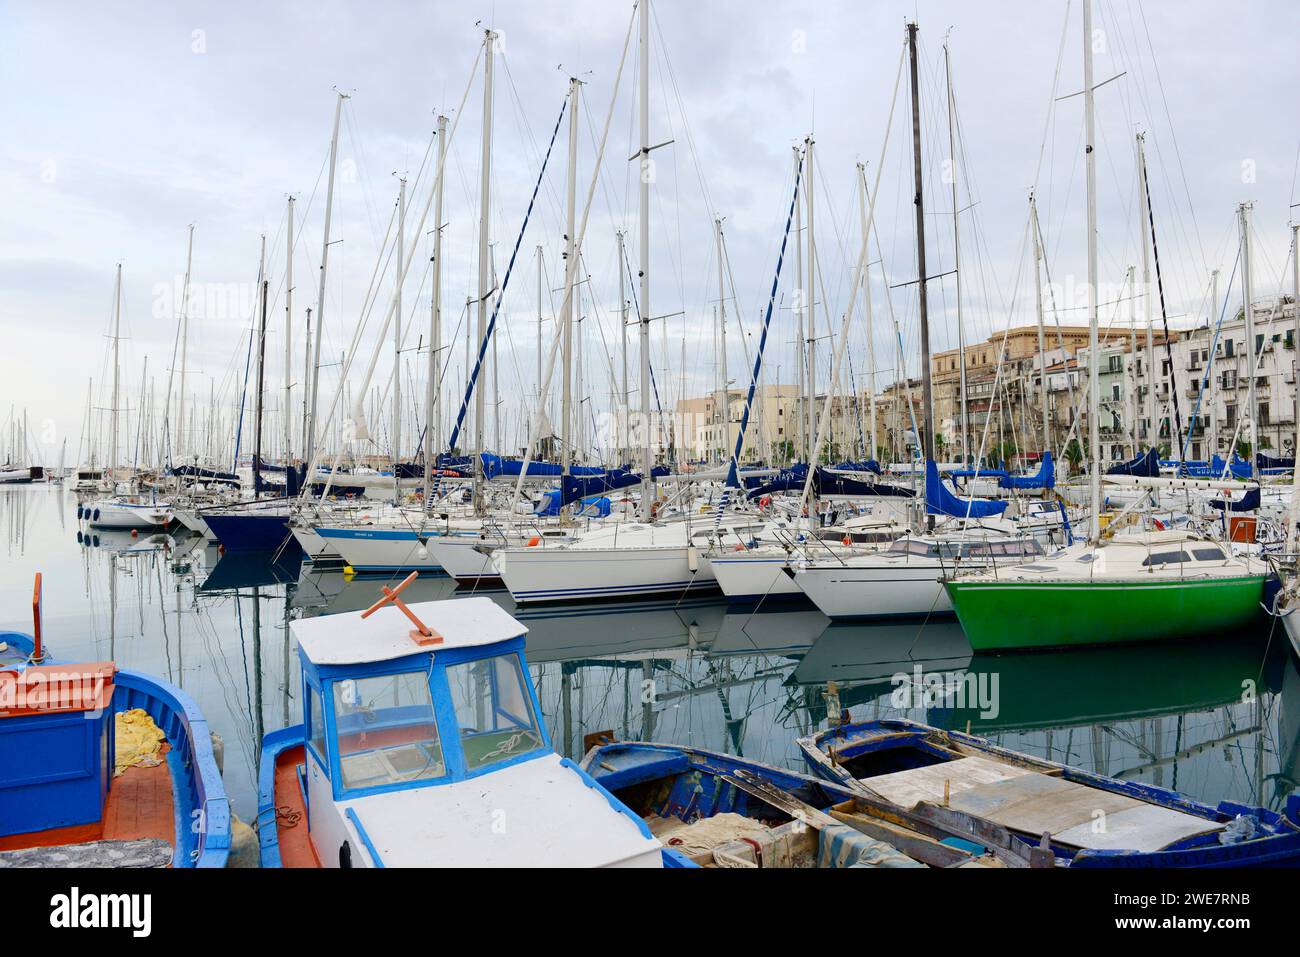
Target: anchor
{"x": 421, "y": 634}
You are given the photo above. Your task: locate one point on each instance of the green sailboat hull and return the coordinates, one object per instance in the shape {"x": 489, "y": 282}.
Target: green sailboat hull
{"x": 998, "y": 616}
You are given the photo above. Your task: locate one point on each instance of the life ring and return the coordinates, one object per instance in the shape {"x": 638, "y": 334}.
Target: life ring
{"x": 534, "y": 541}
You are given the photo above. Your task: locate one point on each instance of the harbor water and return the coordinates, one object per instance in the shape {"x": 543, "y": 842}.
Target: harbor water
{"x": 1216, "y": 719}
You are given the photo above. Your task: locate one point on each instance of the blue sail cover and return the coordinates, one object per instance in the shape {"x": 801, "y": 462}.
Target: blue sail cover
{"x": 494, "y": 466}
{"x": 1239, "y": 467}
{"x": 871, "y": 465}
{"x": 824, "y": 483}
{"x": 1249, "y": 502}
{"x": 205, "y": 475}
{"x": 1145, "y": 466}
{"x": 940, "y": 501}
{"x": 595, "y": 507}
{"x": 1046, "y": 477}
{"x": 1269, "y": 465}
{"x": 576, "y": 487}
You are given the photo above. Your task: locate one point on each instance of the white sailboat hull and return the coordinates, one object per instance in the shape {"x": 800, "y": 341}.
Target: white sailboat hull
{"x": 129, "y": 515}
{"x": 1292, "y": 624}
{"x": 465, "y": 559}
{"x": 749, "y": 577}
{"x": 316, "y": 548}
{"x": 373, "y": 549}
{"x": 875, "y": 591}
{"x": 536, "y": 575}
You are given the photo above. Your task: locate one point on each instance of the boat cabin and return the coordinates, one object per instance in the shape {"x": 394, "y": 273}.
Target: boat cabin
{"x": 425, "y": 746}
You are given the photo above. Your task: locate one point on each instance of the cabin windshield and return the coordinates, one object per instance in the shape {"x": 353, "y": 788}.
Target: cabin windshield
{"x": 494, "y": 710}
{"x": 386, "y": 731}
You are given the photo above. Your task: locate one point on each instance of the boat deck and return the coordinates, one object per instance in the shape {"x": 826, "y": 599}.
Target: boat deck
{"x": 296, "y": 849}
{"x": 139, "y": 806}
{"x": 1035, "y": 803}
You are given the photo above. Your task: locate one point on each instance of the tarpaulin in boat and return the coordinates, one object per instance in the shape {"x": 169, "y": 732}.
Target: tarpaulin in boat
{"x": 1248, "y": 503}
{"x": 842, "y": 846}
{"x": 1146, "y": 466}
{"x": 1046, "y": 477}
{"x": 940, "y": 501}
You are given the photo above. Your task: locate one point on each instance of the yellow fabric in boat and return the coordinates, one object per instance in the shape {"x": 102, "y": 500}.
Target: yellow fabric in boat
{"x": 137, "y": 741}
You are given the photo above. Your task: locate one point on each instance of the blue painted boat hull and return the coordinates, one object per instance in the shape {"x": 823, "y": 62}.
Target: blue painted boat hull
{"x": 242, "y": 532}
{"x": 889, "y": 745}
{"x": 202, "y": 808}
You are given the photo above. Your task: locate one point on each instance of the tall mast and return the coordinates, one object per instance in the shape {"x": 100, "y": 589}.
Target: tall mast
{"x": 541, "y": 272}
{"x": 288, "y": 345}
{"x": 956, "y": 253}
{"x": 918, "y": 176}
{"x": 647, "y": 453}
{"x": 484, "y": 256}
{"x": 1131, "y": 388}
{"x": 1094, "y": 386}
{"x": 570, "y": 277}
{"x": 622, "y": 335}
{"x": 310, "y": 451}
{"x": 185, "y": 332}
{"x": 866, "y": 289}
{"x": 801, "y": 337}
{"x": 811, "y": 303}
{"x": 1248, "y": 296}
{"x": 1295, "y": 309}
{"x": 261, "y": 377}
{"x": 1293, "y": 514}
{"x": 722, "y": 348}
{"x": 1153, "y": 430}
{"x": 306, "y": 374}
{"x": 1213, "y": 404}
{"x": 397, "y": 341}
{"x": 117, "y": 329}
{"x": 433, "y": 392}
{"x": 1042, "y": 338}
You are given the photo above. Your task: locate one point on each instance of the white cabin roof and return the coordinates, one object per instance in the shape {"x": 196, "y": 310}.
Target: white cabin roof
{"x": 348, "y": 639}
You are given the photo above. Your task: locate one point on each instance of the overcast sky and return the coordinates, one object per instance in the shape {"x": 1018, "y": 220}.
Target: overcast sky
{"x": 123, "y": 124}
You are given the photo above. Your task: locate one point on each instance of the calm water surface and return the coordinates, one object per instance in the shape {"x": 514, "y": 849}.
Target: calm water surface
{"x": 1214, "y": 719}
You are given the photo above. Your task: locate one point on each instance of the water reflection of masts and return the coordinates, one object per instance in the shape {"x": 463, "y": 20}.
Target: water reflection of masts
{"x": 257, "y": 666}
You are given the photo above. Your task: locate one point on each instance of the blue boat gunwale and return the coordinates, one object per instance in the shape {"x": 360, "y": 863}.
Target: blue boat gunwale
{"x": 202, "y": 809}
{"x": 1282, "y": 845}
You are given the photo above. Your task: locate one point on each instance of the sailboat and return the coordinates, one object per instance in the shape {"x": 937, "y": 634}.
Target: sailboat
{"x": 1131, "y": 586}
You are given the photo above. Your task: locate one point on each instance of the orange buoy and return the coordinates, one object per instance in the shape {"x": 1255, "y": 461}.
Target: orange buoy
{"x": 846, "y": 540}
{"x": 535, "y": 540}
{"x": 135, "y": 533}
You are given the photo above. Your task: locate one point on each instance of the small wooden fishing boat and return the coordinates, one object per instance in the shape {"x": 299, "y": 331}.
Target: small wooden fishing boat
{"x": 101, "y": 766}
{"x": 426, "y": 747}
{"x": 720, "y": 810}
{"x": 1083, "y": 819}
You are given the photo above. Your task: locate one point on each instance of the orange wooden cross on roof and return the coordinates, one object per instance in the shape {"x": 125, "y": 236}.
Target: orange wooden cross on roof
{"x": 422, "y": 634}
